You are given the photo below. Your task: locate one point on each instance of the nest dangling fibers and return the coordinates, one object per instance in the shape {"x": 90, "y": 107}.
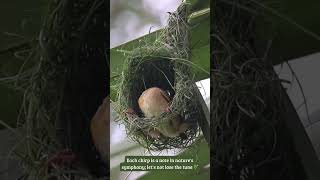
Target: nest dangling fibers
{"x": 164, "y": 64}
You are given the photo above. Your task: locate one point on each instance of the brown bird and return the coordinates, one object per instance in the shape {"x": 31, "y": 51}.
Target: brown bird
{"x": 100, "y": 129}
{"x": 153, "y": 102}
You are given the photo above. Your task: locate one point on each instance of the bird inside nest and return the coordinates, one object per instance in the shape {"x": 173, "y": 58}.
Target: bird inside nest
{"x": 155, "y": 103}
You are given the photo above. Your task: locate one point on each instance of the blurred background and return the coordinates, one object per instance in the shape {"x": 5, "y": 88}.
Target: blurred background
{"x": 19, "y": 27}
{"x": 130, "y": 19}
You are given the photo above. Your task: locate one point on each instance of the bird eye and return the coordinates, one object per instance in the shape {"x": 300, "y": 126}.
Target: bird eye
{"x": 168, "y": 93}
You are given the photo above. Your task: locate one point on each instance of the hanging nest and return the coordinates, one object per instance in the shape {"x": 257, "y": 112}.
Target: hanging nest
{"x": 67, "y": 84}
{"x": 249, "y": 139}
{"x": 164, "y": 64}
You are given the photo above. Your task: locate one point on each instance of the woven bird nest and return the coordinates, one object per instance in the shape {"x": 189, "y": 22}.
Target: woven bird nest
{"x": 164, "y": 64}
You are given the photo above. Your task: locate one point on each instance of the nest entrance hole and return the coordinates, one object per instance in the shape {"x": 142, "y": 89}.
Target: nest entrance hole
{"x": 154, "y": 72}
